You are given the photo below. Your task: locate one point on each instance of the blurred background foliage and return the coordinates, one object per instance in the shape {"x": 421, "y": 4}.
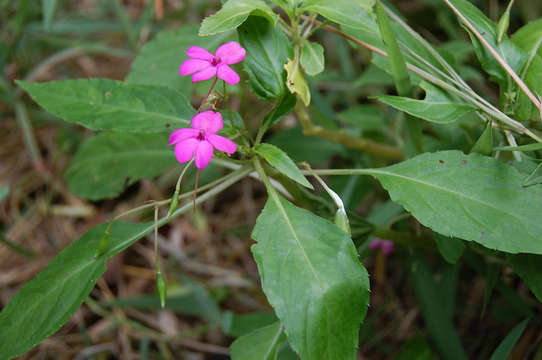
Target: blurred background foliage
{"x": 452, "y": 300}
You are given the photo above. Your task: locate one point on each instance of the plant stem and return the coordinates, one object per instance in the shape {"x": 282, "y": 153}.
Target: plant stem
{"x": 341, "y": 137}
{"x": 497, "y": 57}
{"x": 207, "y": 96}
{"x": 236, "y": 176}
{"x": 479, "y": 101}
{"x": 181, "y": 196}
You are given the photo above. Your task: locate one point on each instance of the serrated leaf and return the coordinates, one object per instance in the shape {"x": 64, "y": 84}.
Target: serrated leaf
{"x": 46, "y": 302}
{"x": 353, "y": 13}
{"x": 282, "y": 162}
{"x": 103, "y": 104}
{"x": 107, "y": 162}
{"x": 437, "y": 107}
{"x": 159, "y": 60}
{"x": 472, "y": 197}
{"x": 268, "y": 49}
{"x": 259, "y": 344}
{"x": 529, "y": 268}
{"x": 312, "y": 58}
{"x": 309, "y": 270}
{"x": 507, "y": 345}
{"x": 233, "y": 13}
{"x": 296, "y": 83}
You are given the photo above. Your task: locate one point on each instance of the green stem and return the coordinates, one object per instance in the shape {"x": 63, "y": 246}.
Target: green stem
{"x": 186, "y": 195}
{"x": 237, "y": 175}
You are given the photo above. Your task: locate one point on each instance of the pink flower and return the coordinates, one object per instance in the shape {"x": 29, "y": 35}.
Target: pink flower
{"x": 385, "y": 246}
{"x": 200, "y": 140}
{"x": 204, "y": 65}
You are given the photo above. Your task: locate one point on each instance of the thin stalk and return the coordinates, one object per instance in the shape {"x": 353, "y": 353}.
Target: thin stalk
{"x": 28, "y": 133}
{"x": 497, "y": 57}
{"x": 186, "y": 195}
{"x": 426, "y": 45}
{"x": 237, "y": 175}
{"x": 481, "y": 103}
{"x": 204, "y": 101}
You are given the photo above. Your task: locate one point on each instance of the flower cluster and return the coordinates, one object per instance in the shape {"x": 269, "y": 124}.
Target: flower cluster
{"x": 200, "y": 141}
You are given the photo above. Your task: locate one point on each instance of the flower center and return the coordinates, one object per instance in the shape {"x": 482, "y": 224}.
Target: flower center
{"x": 201, "y": 135}
{"x": 215, "y": 61}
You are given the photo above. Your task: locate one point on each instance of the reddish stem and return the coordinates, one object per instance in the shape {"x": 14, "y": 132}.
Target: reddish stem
{"x": 208, "y": 93}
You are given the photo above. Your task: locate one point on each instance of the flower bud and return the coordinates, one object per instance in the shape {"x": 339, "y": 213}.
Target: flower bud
{"x": 341, "y": 220}
{"x": 161, "y": 288}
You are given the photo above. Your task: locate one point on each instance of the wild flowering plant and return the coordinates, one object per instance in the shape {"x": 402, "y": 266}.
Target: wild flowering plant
{"x": 460, "y": 169}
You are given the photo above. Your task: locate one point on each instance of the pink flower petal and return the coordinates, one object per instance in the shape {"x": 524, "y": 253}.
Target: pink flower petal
{"x": 387, "y": 247}
{"x": 190, "y": 66}
{"x": 204, "y": 154}
{"x": 204, "y": 74}
{"x": 222, "y": 144}
{"x": 182, "y": 134}
{"x": 209, "y": 121}
{"x": 227, "y": 74}
{"x": 374, "y": 244}
{"x": 196, "y": 52}
{"x": 231, "y": 53}
{"x": 185, "y": 149}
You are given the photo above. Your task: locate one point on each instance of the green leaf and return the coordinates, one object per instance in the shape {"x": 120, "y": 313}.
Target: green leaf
{"x": 106, "y": 163}
{"x": 159, "y": 60}
{"x": 439, "y": 323}
{"x": 310, "y": 270}
{"x": 48, "y": 10}
{"x": 283, "y": 106}
{"x": 415, "y": 348}
{"x": 103, "y": 104}
{"x": 437, "y": 107}
{"x": 529, "y": 268}
{"x": 233, "y": 14}
{"x": 241, "y": 324}
{"x": 312, "y": 58}
{"x": 535, "y": 177}
{"x": 397, "y": 61}
{"x": 529, "y": 38}
{"x": 511, "y": 53}
{"x": 296, "y": 83}
{"x": 267, "y": 49}
{"x": 472, "y": 197}
{"x": 505, "y": 347}
{"x": 353, "y": 13}
{"x": 450, "y": 248}
{"x": 260, "y": 344}
{"x": 282, "y": 162}
{"x": 45, "y": 303}
{"x": 484, "y": 144}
